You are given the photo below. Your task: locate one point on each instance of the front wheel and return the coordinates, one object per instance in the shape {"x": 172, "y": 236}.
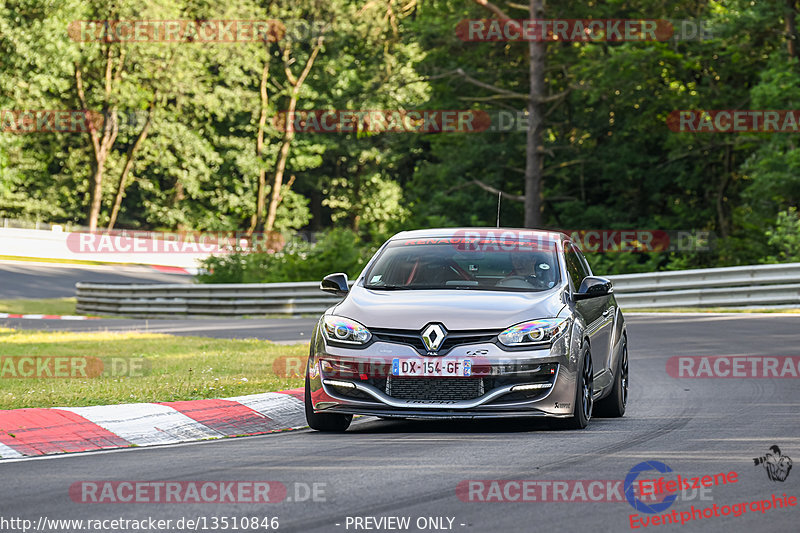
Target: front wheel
{"x": 330, "y": 422}
{"x": 584, "y": 393}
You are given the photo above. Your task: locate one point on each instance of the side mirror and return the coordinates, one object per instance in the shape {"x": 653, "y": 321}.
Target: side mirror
{"x": 592, "y": 287}
{"x": 335, "y": 284}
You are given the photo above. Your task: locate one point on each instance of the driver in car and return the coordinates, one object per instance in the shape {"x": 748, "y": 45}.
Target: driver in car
{"x": 528, "y": 270}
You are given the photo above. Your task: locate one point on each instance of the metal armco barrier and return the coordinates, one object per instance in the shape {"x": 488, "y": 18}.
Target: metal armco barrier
{"x": 745, "y": 286}
{"x": 760, "y": 285}
{"x": 223, "y": 299}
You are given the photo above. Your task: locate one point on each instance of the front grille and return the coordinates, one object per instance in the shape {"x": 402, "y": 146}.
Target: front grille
{"x": 453, "y": 339}
{"x": 434, "y": 388}
{"x": 401, "y": 338}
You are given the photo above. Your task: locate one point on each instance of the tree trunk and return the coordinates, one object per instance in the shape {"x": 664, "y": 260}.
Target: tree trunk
{"x": 256, "y": 222}
{"x": 123, "y": 178}
{"x": 722, "y": 221}
{"x": 101, "y": 146}
{"x": 283, "y": 156}
{"x": 97, "y": 193}
{"x": 791, "y": 28}
{"x": 140, "y": 139}
{"x": 279, "y": 170}
{"x": 533, "y": 157}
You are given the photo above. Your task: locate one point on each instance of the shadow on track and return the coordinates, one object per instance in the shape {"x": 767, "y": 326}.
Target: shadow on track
{"x": 506, "y": 425}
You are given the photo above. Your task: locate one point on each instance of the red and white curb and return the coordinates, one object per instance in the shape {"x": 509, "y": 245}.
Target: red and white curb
{"x": 44, "y": 431}
{"x": 48, "y": 317}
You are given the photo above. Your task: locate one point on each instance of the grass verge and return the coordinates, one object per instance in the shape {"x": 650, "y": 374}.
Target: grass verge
{"x": 141, "y": 367}
{"x": 44, "y": 306}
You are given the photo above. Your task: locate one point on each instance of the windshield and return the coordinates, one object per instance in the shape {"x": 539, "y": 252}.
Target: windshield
{"x": 406, "y": 265}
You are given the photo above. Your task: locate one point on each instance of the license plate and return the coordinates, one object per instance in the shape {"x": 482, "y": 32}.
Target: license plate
{"x": 457, "y": 368}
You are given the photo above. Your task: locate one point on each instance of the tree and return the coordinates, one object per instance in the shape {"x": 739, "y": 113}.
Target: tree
{"x": 535, "y": 97}
{"x": 295, "y": 83}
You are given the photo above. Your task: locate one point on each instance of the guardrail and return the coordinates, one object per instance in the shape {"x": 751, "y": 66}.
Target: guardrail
{"x": 745, "y": 286}
{"x": 223, "y": 299}
{"x": 761, "y": 285}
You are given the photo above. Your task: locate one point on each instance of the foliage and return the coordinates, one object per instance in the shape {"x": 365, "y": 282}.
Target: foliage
{"x": 611, "y": 162}
{"x": 337, "y": 250}
{"x": 785, "y": 237}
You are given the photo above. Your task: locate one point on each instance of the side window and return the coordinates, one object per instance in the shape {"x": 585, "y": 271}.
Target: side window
{"x": 585, "y": 262}
{"x": 575, "y": 267}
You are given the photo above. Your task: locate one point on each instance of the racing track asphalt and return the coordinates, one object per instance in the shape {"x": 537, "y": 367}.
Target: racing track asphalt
{"x": 277, "y": 329}
{"x": 404, "y": 468}
{"x": 25, "y": 279}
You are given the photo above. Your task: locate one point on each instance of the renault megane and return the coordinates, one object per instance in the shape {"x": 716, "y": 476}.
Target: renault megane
{"x": 469, "y": 323}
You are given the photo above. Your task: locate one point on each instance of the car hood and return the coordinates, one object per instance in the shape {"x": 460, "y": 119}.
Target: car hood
{"x": 455, "y": 309}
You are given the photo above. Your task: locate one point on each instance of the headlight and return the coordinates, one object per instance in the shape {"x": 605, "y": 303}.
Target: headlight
{"x": 534, "y": 332}
{"x": 340, "y": 329}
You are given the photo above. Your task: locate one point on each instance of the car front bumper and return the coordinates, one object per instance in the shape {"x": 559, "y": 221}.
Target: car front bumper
{"x": 504, "y": 383}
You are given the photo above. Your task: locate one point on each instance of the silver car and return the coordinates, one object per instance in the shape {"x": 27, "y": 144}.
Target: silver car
{"x": 469, "y": 323}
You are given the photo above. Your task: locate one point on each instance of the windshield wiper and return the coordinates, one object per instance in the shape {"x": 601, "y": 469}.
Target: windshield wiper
{"x": 388, "y": 287}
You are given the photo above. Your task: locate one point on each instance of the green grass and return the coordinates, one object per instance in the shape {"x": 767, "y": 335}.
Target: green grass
{"x": 173, "y": 368}
{"x": 709, "y": 310}
{"x": 45, "y": 306}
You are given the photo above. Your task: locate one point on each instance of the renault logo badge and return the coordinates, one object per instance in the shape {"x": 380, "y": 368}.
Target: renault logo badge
{"x": 433, "y": 336}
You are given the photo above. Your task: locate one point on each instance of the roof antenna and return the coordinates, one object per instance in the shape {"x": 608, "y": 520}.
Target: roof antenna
{"x": 498, "y": 208}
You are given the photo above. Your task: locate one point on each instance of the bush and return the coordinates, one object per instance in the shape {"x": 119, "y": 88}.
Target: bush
{"x": 785, "y": 237}
{"x": 336, "y": 250}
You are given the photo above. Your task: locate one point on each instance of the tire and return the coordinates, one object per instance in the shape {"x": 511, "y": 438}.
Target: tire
{"x": 584, "y": 391}
{"x": 328, "y": 422}
{"x": 613, "y": 406}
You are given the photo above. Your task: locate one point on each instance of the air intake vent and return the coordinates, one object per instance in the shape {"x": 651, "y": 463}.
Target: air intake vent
{"x": 434, "y": 388}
